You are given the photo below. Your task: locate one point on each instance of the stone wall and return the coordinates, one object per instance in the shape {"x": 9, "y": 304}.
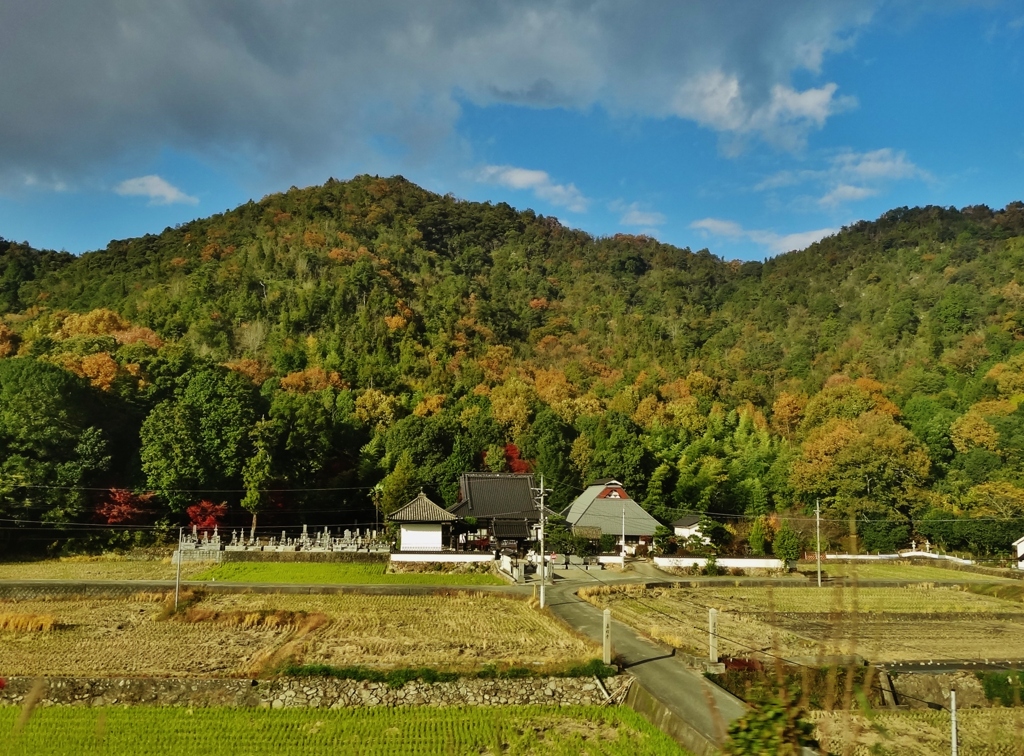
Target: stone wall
{"x": 914, "y": 689}
{"x": 307, "y": 692}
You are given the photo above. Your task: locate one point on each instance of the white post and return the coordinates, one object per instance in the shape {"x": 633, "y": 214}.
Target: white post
{"x": 543, "y": 555}
{"x": 952, "y": 710}
{"x": 177, "y": 576}
{"x": 713, "y": 635}
{"x": 817, "y": 528}
{"x": 607, "y": 636}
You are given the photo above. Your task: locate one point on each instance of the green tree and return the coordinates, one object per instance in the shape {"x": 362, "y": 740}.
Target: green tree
{"x": 199, "y": 440}
{"x": 787, "y": 545}
{"x": 400, "y": 486}
{"x": 53, "y": 446}
{"x": 758, "y": 537}
{"x": 257, "y": 473}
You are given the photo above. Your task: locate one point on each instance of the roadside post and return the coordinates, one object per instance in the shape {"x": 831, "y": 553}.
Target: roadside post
{"x": 607, "y": 636}
{"x": 177, "y": 574}
{"x": 713, "y": 635}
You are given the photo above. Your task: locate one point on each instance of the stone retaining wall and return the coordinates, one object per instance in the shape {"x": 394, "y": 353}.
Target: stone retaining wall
{"x": 308, "y": 692}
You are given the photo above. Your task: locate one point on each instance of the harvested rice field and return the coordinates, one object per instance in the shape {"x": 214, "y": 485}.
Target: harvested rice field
{"x": 914, "y": 623}
{"x": 982, "y": 732}
{"x": 905, "y": 571}
{"x": 247, "y": 634}
{"x": 97, "y": 568}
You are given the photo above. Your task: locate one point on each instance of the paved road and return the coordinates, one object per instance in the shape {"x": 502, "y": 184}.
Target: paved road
{"x": 703, "y": 705}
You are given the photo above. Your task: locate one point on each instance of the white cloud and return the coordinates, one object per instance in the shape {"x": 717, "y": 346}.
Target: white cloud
{"x": 774, "y": 242}
{"x": 539, "y": 182}
{"x": 879, "y": 165}
{"x": 634, "y": 215}
{"x": 266, "y": 89}
{"x": 718, "y": 227}
{"x": 845, "y": 193}
{"x": 850, "y": 176}
{"x": 716, "y": 99}
{"x": 159, "y": 191}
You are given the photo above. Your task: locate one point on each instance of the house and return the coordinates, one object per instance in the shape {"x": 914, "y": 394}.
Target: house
{"x": 502, "y": 504}
{"x": 687, "y": 527}
{"x": 1019, "y": 545}
{"x": 605, "y": 507}
{"x": 423, "y": 525}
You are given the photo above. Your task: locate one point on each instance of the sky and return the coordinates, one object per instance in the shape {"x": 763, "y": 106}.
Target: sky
{"x": 750, "y": 128}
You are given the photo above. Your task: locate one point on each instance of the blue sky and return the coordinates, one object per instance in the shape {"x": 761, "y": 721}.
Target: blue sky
{"x": 746, "y": 127}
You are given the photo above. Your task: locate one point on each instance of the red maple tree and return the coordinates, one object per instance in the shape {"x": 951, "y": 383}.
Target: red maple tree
{"x": 206, "y": 514}
{"x": 123, "y": 507}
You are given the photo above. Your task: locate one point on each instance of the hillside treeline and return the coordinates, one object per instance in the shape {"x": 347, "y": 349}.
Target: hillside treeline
{"x": 320, "y": 355}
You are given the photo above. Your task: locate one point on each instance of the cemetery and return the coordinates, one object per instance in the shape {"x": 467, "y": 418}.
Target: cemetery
{"x": 210, "y": 546}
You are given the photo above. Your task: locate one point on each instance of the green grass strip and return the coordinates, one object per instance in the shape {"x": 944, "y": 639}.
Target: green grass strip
{"x": 376, "y": 731}
{"x": 338, "y": 573}
{"x": 396, "y": 678}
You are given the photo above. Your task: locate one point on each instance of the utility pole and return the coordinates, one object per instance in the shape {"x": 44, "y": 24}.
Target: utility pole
{"x": 817, "y": 528}
{"x": 177, "y": 576}
{"x": 623, "y": 536}
{"x": 540, "y": 493}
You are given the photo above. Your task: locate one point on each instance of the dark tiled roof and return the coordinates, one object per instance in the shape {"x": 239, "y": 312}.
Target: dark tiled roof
{"x": 686, "y": 521}
{"x": 491, "y": 495}
{"x": 422, "y": 509}
{"x": 518, "y": 529}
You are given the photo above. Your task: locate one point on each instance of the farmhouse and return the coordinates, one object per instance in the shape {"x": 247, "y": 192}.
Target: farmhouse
{"x": 688, "y": 526}
{"x": 1019, "y": 545}
{"x": 502, "y": 505}
{"x": 605, "y": 507}
{"x": 424, "y": 526}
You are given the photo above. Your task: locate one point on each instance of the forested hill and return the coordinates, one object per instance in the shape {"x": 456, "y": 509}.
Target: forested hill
{"x": 303, "y": 355}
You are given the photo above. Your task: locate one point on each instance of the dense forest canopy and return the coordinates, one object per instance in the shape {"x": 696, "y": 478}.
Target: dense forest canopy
{"x": 330, "y": 350}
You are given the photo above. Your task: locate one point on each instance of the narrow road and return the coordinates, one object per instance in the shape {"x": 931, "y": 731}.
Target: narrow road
{"x": 697, "y": 701}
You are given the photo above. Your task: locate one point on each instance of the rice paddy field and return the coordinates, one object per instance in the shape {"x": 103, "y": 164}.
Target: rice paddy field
{"x": 915, "y": 623}
{"x": 250, "y": 634}
{"x": 569, "y": 731}
{"x": 337, "y": 573}
{"x": 897, "y": 571}
{"x": 981, "y": 732}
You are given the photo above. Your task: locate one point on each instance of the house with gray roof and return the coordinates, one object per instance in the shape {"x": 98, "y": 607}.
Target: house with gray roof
{"x": 605, "y": 507}
{"x": 502, "y": 504}
{"x": 423, "y": 525}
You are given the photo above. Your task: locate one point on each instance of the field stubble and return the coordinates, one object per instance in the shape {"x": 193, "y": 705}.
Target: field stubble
{"x": 919, "y": 622}
{"x": 248, "y": 634}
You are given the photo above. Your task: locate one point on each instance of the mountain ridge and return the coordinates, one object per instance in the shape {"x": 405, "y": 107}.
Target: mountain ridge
{"x": 436, "y": 334}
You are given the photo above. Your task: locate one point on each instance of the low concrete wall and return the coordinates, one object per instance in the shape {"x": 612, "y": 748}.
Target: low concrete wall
{"x": 723, "y": 562}
{"x": 307, "y": 692}
{"x": 453, "y": 557}
{"x": 188, "y": 556}
{"x": 891, "y": 557}
{"x": 661, "y": 716}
